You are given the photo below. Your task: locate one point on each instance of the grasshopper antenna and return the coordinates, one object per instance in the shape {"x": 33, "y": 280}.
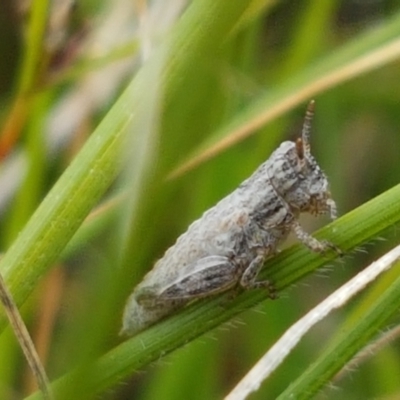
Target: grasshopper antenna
{"x": 305, "y": 134}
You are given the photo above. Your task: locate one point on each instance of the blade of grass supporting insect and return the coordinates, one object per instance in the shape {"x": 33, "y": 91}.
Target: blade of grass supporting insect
{"x": 372, "y": 49}
{"x": 356, "y": 227}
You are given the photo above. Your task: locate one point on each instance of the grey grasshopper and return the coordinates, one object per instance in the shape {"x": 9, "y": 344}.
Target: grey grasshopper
{"x": 230, "y": 243}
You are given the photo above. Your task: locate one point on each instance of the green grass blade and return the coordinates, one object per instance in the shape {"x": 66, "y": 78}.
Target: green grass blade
{"x": 353, "y": 229}
{"x": 352, "y": 339}
{"x": 34, "y": 49}
{"x": 371, "y": 50}
{"x": 95, "y": 167}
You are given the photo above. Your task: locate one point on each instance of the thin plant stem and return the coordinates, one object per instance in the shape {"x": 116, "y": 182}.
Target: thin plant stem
{"x": 25, "y": 341}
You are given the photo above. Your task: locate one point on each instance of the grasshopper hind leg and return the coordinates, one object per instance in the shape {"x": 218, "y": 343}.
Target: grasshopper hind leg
{"x": 205, "y": 277}
{"x": 249, "y": 278}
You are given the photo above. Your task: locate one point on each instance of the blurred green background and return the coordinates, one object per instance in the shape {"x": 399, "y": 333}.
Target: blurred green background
{"x": 63, "y": 65}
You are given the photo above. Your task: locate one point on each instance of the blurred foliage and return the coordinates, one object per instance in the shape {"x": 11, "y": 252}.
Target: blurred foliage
{"x": 69, "y": 94}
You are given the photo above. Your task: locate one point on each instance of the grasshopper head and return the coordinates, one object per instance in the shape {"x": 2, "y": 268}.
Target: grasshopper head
{"x": 296, "y": 176}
